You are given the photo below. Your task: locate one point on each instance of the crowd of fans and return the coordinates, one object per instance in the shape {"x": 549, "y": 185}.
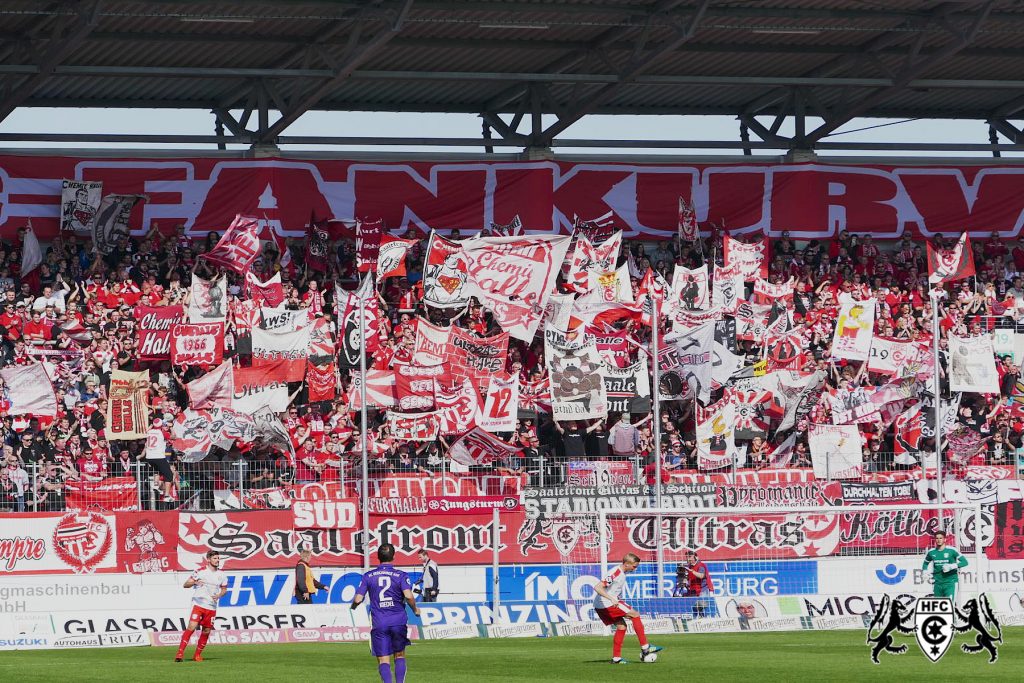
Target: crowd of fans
{"x": 76, "y": 313}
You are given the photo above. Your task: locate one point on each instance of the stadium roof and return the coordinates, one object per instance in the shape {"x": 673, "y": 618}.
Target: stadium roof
{"x": 816, "y": 63}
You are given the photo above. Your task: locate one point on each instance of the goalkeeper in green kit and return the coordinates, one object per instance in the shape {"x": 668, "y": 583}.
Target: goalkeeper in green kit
{"x": 946, "y": 564}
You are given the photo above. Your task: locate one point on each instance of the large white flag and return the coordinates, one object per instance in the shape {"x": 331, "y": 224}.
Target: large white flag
{"x": 836, "y": 451}
{"x": 513, "y": 277}
{"x": 854, "y": 329}
{"x": 690, "y": 289}
{"x": 208, "y": 301}
{"x": 28, "y": 390}
{"x": 716, "y": 439}
{"x": 973, "y": 365}
{"x": 687, "y": 362}
{"x": 577, "y": 385}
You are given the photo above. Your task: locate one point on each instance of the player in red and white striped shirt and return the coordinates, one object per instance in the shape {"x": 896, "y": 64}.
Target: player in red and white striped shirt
{"x": 613, "y": 611}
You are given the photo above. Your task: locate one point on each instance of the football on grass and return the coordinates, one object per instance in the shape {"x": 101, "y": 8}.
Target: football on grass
{"x": 649, "y": 657}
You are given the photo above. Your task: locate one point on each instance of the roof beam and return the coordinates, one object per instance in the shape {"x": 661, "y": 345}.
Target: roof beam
{"x": 67, "y": 36}
{"x": 357, "y": 56}
{"x": 914, "y": 66}
{"x": 215, "y": 73}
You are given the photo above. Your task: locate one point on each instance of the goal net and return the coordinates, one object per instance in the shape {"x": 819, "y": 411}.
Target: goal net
{"x": 771, "y": 567}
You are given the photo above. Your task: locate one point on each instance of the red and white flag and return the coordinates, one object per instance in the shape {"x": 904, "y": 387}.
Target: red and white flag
{"x": 457, "y": 407}
{"x": 368, "y": 238}
{"x": 257, "y": 387}
{"x": 688, "y": 230}
{"x": 444, "y": 273}
{"x": 318, "y": 245}
{"x": 154, "y": 330}
{"x": 201, "y": 344}
{"x": 513, "y": 229}
{"x": 380, "y": 389}
{"x": 513, "y": 277}
{"x": 322, "y": 382}
{"x": 478, "y": 447}
{"x": 948, "y": 265}
{"x": 238, "y": 246}
{"x": 27, "y": 390}
{"x": 214, "y": 389}
{"x": 431, "y": 346}
{"x": 289, "y": 348}
{"x": 391, "y": 256}
{"x": 501, "y": 404}
{"x": 750, "y": 258}
{"x": 269, "y": 293}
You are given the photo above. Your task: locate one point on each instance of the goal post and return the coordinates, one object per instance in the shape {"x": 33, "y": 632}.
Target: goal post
{"x": 793, "y": 561}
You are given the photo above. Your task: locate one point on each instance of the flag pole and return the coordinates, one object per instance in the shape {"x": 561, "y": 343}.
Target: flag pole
{"x": 656, "y": 432}
{"x": 365, "y": 492}
{"x": 936, "y": 389}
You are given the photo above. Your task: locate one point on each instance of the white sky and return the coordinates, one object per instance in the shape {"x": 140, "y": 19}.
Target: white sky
{"x": 382, "y": 124}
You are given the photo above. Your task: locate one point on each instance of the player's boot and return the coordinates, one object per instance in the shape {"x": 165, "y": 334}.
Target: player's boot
{"x": 650, "y": 648}
{"x": 197, "y": 658}
{"x": 179, "y": 658}
{"x": 619, "y": 660}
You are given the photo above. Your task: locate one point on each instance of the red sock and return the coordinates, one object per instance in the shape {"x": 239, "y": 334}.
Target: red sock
{"x": 185, "y": 637}
{"x": 203, "y": 637}
{"x": 638, "y": 628}
{"x": 620, "y": 635}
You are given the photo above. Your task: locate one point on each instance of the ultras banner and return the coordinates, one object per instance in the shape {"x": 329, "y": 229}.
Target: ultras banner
{"x": 810, "y": 200}
{"x": 539, "y": 532}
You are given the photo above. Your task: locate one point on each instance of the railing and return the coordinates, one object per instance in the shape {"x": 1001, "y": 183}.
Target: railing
{"x": 241, "y": 484}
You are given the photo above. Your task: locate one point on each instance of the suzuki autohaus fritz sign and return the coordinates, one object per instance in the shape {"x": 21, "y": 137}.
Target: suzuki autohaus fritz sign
{"x": 934, "y": 623}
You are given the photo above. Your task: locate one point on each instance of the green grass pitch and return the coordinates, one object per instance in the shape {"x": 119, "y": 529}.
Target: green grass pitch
{"x": 746, "y": 657}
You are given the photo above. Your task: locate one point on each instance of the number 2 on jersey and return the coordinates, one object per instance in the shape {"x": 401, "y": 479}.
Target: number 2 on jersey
{"x": 383, "y": 584}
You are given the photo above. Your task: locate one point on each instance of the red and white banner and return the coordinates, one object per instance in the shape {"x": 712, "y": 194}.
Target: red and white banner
{"x": 513, "y": 277}
{"x": 501, "y": 404}
{"x": 368, "y": 238}
{"x": 112, "y": 494}
{"x": 59, "y": 543}
{"x": 238, "y": 246}
{"x": 477, "y": 447}
{"x": 154, "y": 328}
{"x": 476, "y": 357}
{"x": 214, "y": 389}
{"x": 751, "y": 259}
{"x": 380, "y": 389}
{"x": 322, "y": 382}
{"x": 323, "y": 513}
{"x": 899, "y": 358}
{"x": 27, "y": 390}
{"x": 687, "y": 225}
{"x": 854, "y": 330}
{"x": 257, "y": 387}
{"x": 414, "y": 386}
{"x": 201, "y": 344}
{"x": 462, "y": 505}
{"x": 810, "y": 200}
{"x": 288, "y": 349}
{"x": 690, "y": 289}
{"x": 349, "y": 334}
{"x": 949, "y": 265}
{"x": 127, "y": 406}
{"x": 413, "y": 426}
{"x": 457, "y": 408}
{"x": 444, "y": 274}
{"x": 431, "y": 346}
{"x": 269, "y": 293}
{"x": 391, "y": 256}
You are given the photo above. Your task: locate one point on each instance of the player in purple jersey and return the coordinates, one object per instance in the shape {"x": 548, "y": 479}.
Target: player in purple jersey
{"x": 389, "y": 590}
